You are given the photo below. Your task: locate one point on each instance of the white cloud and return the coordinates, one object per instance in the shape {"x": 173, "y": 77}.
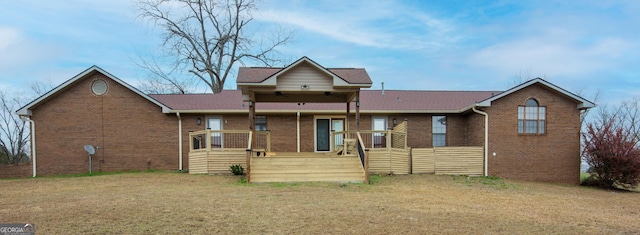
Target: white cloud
{"x": 18, "y": 51}
{"x": 555, "y": 51}
{"x": 10, "y": 36}
{"x": 375, "y": 24}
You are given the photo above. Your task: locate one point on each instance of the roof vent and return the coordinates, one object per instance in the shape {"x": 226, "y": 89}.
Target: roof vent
{"x": 382, "y": 88}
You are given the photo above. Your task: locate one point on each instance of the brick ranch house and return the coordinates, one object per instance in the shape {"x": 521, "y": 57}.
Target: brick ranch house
{"x": 307, "y": 115}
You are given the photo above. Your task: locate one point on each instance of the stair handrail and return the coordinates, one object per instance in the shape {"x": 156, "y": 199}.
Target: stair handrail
{"x": 363, "y": 154}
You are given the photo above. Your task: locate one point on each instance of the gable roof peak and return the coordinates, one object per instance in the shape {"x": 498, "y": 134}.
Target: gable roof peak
{"x": 582, "y": 102}
{"x": 26, "y": 110}
{"x": 256, "y": 75}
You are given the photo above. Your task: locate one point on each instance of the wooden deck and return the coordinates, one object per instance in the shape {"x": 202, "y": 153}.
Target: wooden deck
{"x": 301, "y": 154}
{"x": 305, "y": 167}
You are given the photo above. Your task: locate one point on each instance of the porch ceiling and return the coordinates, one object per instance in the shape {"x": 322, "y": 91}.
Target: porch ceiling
{"x": 301, "y": 96}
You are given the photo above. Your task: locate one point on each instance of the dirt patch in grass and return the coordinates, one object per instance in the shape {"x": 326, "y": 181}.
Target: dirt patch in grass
{"x": 162, "y": 202}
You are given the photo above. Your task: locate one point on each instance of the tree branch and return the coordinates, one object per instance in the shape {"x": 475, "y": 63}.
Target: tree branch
{"x": 210, "y": 37}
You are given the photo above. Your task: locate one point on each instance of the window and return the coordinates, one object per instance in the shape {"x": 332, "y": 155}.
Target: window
{"x": 261, "y": 123}
{"x": 531, "y": 118}
{"x": 439, "y": 129}
{"x": 99, "y": 87}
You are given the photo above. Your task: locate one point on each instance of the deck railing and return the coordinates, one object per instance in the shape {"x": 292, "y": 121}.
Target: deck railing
{"x": 210, "y": 140}
{"x": 343, "y": 142}
{"x": 373, "y": 139}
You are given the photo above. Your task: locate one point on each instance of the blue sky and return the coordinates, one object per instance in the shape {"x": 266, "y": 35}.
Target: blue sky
{"x": 582, "y": 46}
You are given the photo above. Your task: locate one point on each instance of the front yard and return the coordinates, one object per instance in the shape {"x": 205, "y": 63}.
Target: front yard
{"x": 166, "y": 202}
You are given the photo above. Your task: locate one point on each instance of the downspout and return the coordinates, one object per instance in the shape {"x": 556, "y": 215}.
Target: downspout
{"x": 298, "y": 130}
{"x": 179, "y": 141}
{"x": 486, "y": 138}
{"x": 33, "y": 142}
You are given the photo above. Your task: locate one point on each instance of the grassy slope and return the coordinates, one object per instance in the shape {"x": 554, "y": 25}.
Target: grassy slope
{"x": 135, "y": 203}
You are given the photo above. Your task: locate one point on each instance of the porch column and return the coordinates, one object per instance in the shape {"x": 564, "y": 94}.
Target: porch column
{"x": 357, "y": 110}
{"x": 346, "y": 122}
{"x": 252, "y": 122}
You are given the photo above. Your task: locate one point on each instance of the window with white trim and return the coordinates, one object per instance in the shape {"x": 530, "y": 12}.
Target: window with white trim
{"x": 215, "y": 125}
{"x": 379, "y": 126}
{"x": 261, "y": 123}
{"x": 439, "y": 130}
{"x": 531, "y": 118}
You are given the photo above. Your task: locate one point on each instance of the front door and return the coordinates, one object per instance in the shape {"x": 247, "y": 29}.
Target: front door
{"x": 324, "y": 128}
{"x": 323, "y": 135}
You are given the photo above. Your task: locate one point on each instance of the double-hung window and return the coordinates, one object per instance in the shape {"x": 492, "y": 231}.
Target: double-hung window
{"x": 531, "y": 118}
{"x": 439, "y": 130}
{"x": 261, "y": 123}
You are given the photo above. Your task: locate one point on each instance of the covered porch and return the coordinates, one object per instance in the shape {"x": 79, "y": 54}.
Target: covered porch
{"x": 344, "y": 155}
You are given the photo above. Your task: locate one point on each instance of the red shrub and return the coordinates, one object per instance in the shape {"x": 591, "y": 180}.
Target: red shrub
{"x": 612, "y": 153}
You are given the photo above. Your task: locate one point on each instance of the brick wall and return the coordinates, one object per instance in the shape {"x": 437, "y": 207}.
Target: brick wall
{"x": 419, "y": 129}
{"x": 189, "y": 123}
{"x": 284, "y": 129}
{"x": 551, "y": 157}
{"x": 474, "y": 129}
{"x": 456, "y": 130}
{"x": 306, "y": 133}
{"x": 132, "y": 133}
{"x": 459, "y": 129}
{"x": 16, "y": 171}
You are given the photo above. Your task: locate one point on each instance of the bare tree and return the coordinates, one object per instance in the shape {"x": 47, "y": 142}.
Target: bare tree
{"x": 628, "y": 115}
{"x": 209, "y": 36}
{"x": 41, "y": 87}
{"x": 160, "y": 81}
{"x": 520, "y": 77}
{"x": 584, "y": 113}
{"x": 14, "y": 132}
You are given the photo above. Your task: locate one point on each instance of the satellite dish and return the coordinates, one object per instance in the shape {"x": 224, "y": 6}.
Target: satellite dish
{"x": 90, "y": 149}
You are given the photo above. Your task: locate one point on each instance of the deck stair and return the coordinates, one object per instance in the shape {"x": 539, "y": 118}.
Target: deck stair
{"x": 306, "y": 167}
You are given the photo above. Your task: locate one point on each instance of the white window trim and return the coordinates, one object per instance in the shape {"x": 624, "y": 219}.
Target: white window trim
{"x": 221, "y": 127}
{"x": 373, "y": 124}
